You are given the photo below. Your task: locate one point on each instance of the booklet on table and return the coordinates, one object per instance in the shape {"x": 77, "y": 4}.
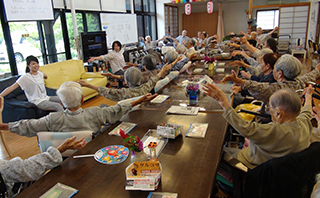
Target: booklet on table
{"x": 125, "y": 126}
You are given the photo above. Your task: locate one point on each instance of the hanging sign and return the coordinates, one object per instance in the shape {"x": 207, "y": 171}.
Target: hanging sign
{"x": 187, "y": 8}
{"x": 210, "y": 7}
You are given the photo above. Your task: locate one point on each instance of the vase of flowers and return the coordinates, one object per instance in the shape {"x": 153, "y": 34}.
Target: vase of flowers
{"x": 134, "y": 144}
{"x": 192, "y": 90}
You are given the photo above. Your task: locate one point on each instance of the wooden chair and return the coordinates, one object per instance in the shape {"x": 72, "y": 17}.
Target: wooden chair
{"x": 1, "y": 134}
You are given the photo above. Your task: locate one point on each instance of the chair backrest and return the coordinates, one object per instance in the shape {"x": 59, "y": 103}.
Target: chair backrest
{"x": 47, "y": 139}
{"x": 290, "y": 176}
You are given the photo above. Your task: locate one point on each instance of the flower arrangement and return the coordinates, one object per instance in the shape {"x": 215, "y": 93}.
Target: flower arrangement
{"x": 208, "y": 59}
{"x": 132, "y": 142}
{"x": 193, "y": 87}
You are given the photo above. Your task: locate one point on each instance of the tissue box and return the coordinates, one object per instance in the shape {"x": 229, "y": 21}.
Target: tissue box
{"x": 140, "y": 178}
{"x": 169, "y": 130}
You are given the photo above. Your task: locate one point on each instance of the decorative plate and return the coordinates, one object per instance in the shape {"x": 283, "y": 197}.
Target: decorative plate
{"x": 113, "y": 154}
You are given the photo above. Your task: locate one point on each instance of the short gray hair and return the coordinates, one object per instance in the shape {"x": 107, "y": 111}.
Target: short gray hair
{"x": 70, "y": 94}
{"x": 148, "y": 37}
{"x": 171, "y": 56}
{"x": 287, "y": 100}
{"x": 184, "y": 31}
{"x": 181, "y": 48}
{"x": 265, "y": 51}
{"x": 192, "y": 41}
{"x": 133, "y": 77}
{"x": 149, "y": 61}
{"x": 289, "y": 65}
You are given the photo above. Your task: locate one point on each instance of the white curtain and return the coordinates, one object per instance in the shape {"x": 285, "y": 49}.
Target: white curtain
{"x": 220, "y": 29}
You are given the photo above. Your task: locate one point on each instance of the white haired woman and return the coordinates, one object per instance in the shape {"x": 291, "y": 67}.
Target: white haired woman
{"x": 148, "y": 44}
{"x": 133, "y": 77}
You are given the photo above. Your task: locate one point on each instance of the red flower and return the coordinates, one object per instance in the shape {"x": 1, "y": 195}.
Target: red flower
{"x": 123, "y": 135}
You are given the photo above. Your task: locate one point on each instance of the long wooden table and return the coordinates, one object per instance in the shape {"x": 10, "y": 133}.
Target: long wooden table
{"x": 188, "y": 164}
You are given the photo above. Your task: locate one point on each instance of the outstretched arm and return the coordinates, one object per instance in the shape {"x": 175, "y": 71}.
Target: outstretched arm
{"x": 9, "y": 89}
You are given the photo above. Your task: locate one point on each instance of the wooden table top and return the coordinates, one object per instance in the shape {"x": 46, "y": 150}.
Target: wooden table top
{"x": 188, "y": 164}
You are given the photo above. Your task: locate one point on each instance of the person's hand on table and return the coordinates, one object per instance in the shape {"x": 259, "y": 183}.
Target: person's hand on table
{"x": 214, "y": 92}
{"x": 233, "y": 78}
{"x": 245, "y": 75}
{"x": 70, "y": 143}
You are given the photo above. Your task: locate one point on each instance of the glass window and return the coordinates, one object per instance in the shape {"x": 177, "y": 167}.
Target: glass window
{"x": 71, "y": 32}
{"x": 268, "y": 19}
{"x": 140, "y": 26}
{"x": 149, "y": 25}
{"x": 148, "y": 5}
{"x": 25, "y": 42}
{"x": 137, "y": 5}
{"x": 93, "y": 22}
{"x": 4, "y": 60}
{"x": 128, "y": 6}
{"x": 58, "y": 38}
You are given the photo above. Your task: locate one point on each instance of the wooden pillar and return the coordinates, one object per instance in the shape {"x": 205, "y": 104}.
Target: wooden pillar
{"x": 250, "y": 13}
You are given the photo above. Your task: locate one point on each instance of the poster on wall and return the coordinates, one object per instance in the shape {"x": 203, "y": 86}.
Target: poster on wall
{"x": 28, "y": 10}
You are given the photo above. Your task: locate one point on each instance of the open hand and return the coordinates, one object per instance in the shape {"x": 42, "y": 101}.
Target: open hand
{"x": 214, "y": 92}
{"x": 70, "y": 143}
{"x": 233, "y": 78}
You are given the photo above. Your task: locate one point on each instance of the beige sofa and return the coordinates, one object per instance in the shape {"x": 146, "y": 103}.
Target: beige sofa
{"x": 72, "y": 70}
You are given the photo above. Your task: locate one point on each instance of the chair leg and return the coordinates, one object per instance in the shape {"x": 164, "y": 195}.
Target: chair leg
{"x": 4, "y": 144}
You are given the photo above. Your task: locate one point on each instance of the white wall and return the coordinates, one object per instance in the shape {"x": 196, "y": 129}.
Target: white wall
{"x": 161, "y": 17}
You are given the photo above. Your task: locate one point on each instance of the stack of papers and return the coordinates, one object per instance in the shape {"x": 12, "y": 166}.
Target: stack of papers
{"x": 183, "y": 110}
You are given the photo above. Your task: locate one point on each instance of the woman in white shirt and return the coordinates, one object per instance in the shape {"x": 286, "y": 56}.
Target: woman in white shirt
{"x": 32, "y": 84}
{"x": 115, "y": 58}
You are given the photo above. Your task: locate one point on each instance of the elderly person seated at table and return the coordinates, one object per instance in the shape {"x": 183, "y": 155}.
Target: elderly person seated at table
{"x": 149, "y": 64}
{"x": 132, "y": 76}
{"x": 285, "y": 72}
{"x": 171, "y": 56}
{"x": 267, "y": 66}
{"x": 18, "y": 170}
{"x": 148, "y": 44}
{"x": 181, "y": 49}
{"x": 289, "y": 131}
{"x": 254, "y": 67}
{"x": 74, "y": 118}
{"x": 269, "y": 43}
{"x": 190, "y": 47}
